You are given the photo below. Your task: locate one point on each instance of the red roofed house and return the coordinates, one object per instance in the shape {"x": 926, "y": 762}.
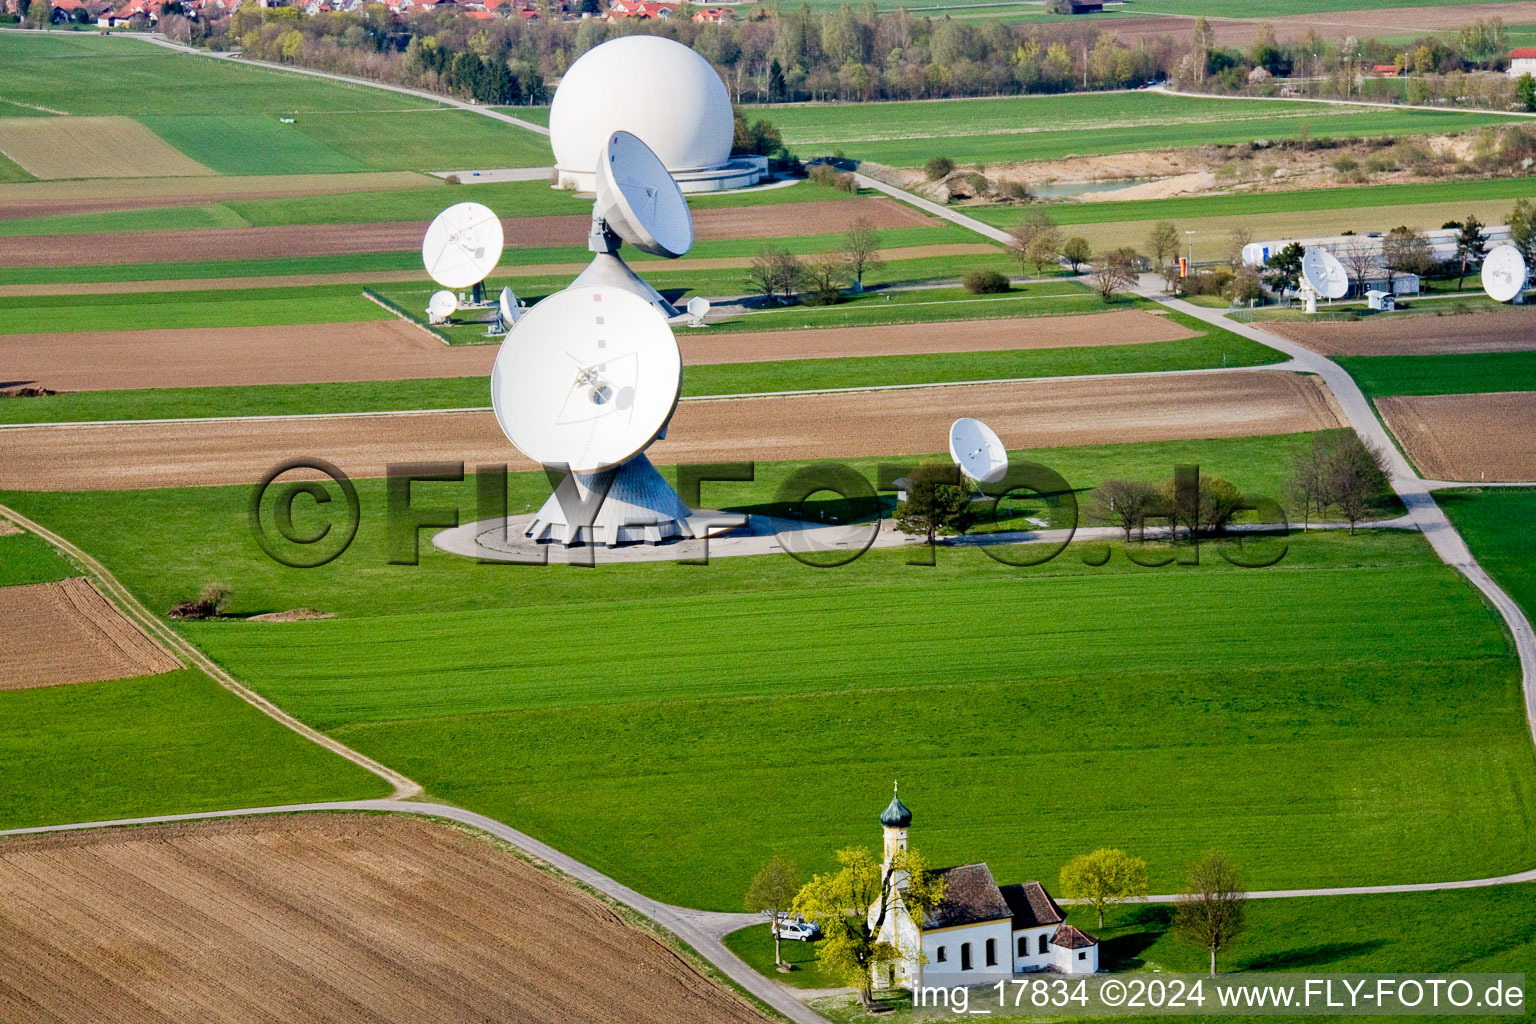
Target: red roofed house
{"x": 716, "y": 15}
{"x": 640, "y": 9}
{"x": 1522, "y": 61}
{"x": 60, "y": 11}
{"x": 979, "y": 928}
{"x": 1385, "y": 70}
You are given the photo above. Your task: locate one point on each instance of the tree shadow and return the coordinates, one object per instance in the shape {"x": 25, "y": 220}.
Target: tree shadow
{"x": 1145, "y": 924}
{"x": 1311, "y": 956}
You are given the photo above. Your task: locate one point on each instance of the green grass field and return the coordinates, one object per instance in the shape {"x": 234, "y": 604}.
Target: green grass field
{"x": 166, "y": 744}
{"x": 1301, "y": 200}
{"x": 1495, "y": 521}
{"x": 26, "y": 558}
{"x": 212, "y": 269}
{"x": 1188, "y": 716}
{"x": 1015, "y": 128}
{"x": 1379, "y": 376}
{"x": 53, "y": 314}
{"x": 338, "y": 127}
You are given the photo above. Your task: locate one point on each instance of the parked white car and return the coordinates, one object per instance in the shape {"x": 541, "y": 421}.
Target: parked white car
{"x": 804, "y": 931}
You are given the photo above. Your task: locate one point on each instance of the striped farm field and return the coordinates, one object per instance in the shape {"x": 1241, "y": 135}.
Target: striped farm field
{"x": 91, "y": 147}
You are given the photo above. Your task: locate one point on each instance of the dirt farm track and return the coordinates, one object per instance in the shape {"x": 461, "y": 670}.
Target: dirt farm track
{"x": 1467, "y": 437}
{"x": 393, "y": 350}
{"x": 329, "y": 919}
{"x": 904, "y": 422}
{"x": 829, "y": 217}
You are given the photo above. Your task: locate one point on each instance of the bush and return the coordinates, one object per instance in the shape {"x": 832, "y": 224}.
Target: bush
{"x": 985, "y": 282}
{"x": 1014, "y": 191}
{"x": 845, "y": 183}
{"x": 824, "y": 174}
{"x": 1378, "y": 164}
{"x": 938, "y": 167}
{"x": 1213, "y": 281}
{"x": 209, "y": 604}
{"x": 1344, "y": 162}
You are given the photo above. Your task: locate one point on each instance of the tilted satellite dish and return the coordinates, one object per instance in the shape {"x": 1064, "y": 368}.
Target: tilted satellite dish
{"x": 587, "y": 378}
{"x": 507, "y": 306}
{"x": 462, "y": 245}
{"x": 698, "y": 309}
{"x": 1324, "y": 274}
{"x": 977, "y": 450}
{"x": 441, "y": 306}
{"x": 639, "y": 201}
{"x": 1504, "y": 273}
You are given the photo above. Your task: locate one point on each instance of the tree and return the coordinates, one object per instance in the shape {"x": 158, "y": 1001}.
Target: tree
{"x": 1163, "y": 246}
{"x": 937, "y": 500}
{"x": 1355, "y": 477}
{"x": 1126, "y": 504}
{"x": 1359, "y": 257}
{"x": 1043, "y": 251}
{"x": 1246, "y": 286}
{"x": 772, "y": 891}
{"x": 1076, "y": 251}
{"x": 1035, "y": 223}
{"x": 826, "y": 274}
{"x": 1104, "y": 878}
{"x": 1284, "y": 267}
{"x": 938, "y": 167}
{"x": 1406, "y": 251}
{"x": 1525, "y": 92}
{"x": 1209, "y": 508}
{"x": 1211, "y": 913}
{"x": 861, "y": 251}
{"x": 1113, "y": 271}
{"x": 1307, "y": 487}
{"x": 1522, "y": 228}
{"x": 1237, "y": 240}
{"x": 776, "y": 273}
{"x": 1471, "y": 246}
{"x": 853, "y": 904}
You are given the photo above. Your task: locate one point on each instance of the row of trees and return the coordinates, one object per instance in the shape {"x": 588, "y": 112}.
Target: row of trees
{"x": 785, "y": 55}
{"x": 781, "y": 277}
{"x": 853, "y": 903}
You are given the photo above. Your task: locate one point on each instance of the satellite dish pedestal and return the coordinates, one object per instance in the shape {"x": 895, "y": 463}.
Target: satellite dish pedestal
{"x": 1310, "y": 298}
{"x": 639, "y": 506}
{"x": 608, "y": 270}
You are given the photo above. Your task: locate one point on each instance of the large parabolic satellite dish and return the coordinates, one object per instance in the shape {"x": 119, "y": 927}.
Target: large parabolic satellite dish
{"x": 1324, "y": 274}
{"x": 639, "y": 201}
{"x": 1504, "y": 273}
{"x": 462, "y": 245}
{"x": 587, "y": 378}
{"x": 977, "y": 450}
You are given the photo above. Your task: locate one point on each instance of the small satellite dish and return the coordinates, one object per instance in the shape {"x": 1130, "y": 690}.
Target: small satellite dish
{"x": 462, "y": 246}
{"x": 1504, "y": 273}
{"x": 698, "y": 308}
{"x": 441, "y": 306}
{"x": 587, "y": 378}
{"x": 1324, "y": 274}
{"x": 977, "y": 450}
{"x": 507, "y": 306}
{"x": 639, "y": 201}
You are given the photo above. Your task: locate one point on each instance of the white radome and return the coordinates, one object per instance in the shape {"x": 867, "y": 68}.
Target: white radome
{"x": 651, "y": 87}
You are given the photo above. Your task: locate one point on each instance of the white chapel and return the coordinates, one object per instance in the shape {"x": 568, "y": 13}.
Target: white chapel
{"x": 979, "y": 928}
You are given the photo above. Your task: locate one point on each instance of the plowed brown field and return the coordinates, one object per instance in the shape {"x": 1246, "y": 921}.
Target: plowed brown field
{"x": 779, "y": 221}
{"x": 1509, "y": 329}
{"x": 908, "y": 422}
{"x": 66, "y": 632}
{"x": 392, "y": 350}
{"x": 1467, "y": 437}
{"x": 1329, "y": 25}
{"x": 321, "y": 919}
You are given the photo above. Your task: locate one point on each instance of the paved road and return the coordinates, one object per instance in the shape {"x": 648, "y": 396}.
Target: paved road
{"x": 700, "y": 929}
{"x": 936, "y": 209}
